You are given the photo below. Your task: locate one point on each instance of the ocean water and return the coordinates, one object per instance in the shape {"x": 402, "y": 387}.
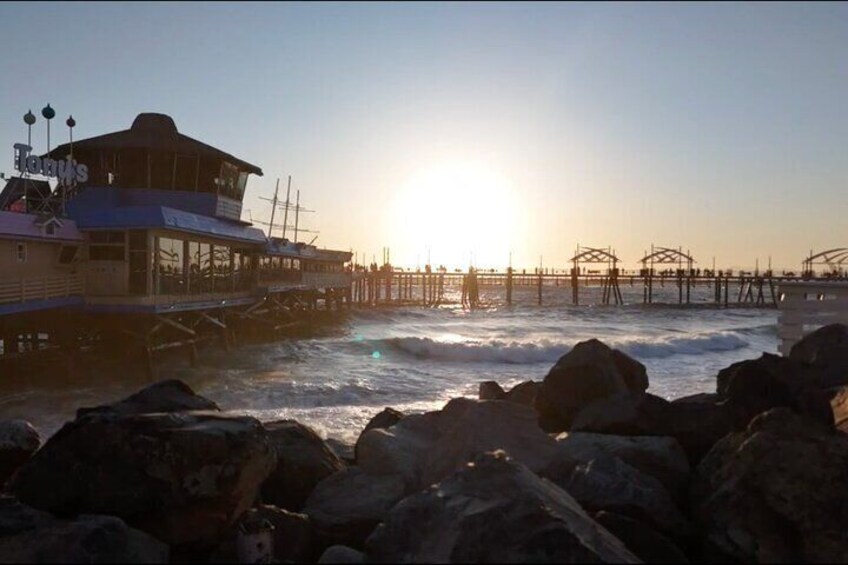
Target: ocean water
{"x": 416, "y": 359}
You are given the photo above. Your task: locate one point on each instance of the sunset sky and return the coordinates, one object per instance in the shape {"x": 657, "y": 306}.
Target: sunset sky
{"x": 475, "y": 130}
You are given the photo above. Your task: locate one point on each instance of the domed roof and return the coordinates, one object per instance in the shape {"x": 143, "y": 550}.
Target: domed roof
{"x": 149, "y": 121}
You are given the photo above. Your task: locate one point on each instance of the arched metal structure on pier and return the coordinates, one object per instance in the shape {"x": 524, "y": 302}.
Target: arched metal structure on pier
{"x": 597, "y": 256}
{"x": 835, "y": 259}
{"x": 667, "y": 256}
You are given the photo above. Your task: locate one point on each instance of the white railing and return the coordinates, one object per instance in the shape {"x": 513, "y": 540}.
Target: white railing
{"x": 806, "y": 306}
{"x": 40, "y": 288}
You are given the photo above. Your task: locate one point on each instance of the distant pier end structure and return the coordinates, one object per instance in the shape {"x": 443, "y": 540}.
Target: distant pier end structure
{"x": 609, "y": 281}
{"x": 167, "y": 260}
{"x": 667, "y": 256}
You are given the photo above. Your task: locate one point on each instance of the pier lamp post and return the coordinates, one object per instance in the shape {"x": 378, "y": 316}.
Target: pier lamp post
{"x": 29, "y": 120}
{"x": 48, "y": 113}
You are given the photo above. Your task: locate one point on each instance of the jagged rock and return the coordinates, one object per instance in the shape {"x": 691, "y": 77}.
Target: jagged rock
{"x": 694, "y": 424}
{"x": 184, "y": 478}
{"x": 382, "y": 421}
{"x": 165, "y": 396}
{"x": 700, "y": 397}
{"x": 524, "y": 393}
{"x": 347, "y": 506}
{"x": 494, "y": 510}
{"x": 490, "y": 390}
{"x": 31, "y": 536}
{"x": 754, "y": 386}
{"x": 426, "y": 448}
{"x": 659, "y": 457}
{"x": 590, "y": 371}
{"x": 303, "y": 460}
{"x": 776, "y": 492}
{"x": 825, "y": 353}
{"x": 642, "y": 540}
{"x": 341, "y": 554}
{"x": 18, "y": 441}
{"x": 292, "y": 536}
{"x": 608, "y": 483}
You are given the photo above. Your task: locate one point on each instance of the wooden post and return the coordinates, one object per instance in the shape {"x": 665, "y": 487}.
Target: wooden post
{"x": 509, "y": 285}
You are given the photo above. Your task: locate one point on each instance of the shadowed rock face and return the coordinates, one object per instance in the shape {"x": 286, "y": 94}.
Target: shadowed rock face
{"x": 382, "y": 421}
{"x": 646, "y": 543}
{"x": 183, "y": 477}
{"x": 589, "y": 372}
{"x": 18, "y": 441}
{"x": 776, "y": 492}
{"x": 165, "y": 396}
{"x": 825, "y": 354}
{"x": 494, "y": 510}
{"x": 30, "y": 536}
{"x": 303, "y": 460}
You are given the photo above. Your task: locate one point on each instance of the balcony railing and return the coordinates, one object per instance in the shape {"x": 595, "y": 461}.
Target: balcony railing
{"x": 806, "y": 306}
{"x": 40, "y": 288}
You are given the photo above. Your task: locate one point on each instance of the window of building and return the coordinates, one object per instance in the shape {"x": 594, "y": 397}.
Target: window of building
{"x": 21, "y": 252}
{"x": 171, "y": 266}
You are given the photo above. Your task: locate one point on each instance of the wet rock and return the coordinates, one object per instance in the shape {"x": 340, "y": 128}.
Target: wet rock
{"x": 426, "y": 448}
{"x": 31, "y": 536}
{"x": 642, "y": 540}
{"x": 696, "y": 425}
{"x": 776, "y": 492}
{"x": 755, "y": 386}
{"x": 658, "y": 457}
{"x": 342, "y": 449}
{"x": 490, "y": 390}
{"x": 18, "y": 441}
{"x": 184, "y": 478}
{"x": 494, "y": 510}
{"x": 303, "y": 460}
{"x": 589, "y": 372}
{"x": 341, "y": 554}
{"x": 165, "y": 396}
{"x": 825, "y": 353}
{"x": 347, "y": 506}
{"x": 382, "y": 421}
{"x": 292, "y": 536}
{"x": 607, "y": 483}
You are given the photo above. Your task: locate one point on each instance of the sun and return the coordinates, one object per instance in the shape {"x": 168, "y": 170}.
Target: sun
{"x": 460, "y": 214}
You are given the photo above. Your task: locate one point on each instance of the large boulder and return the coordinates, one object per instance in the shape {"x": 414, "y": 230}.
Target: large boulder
{"x": 31, "y": 536}
{"x": 18, "y": 441}
{"x": 165, "y": 396}
{"x": 346, "y": 507}
{"x": 494, "y": 510}
{"x": 776, "y": 492}
{"x": 645, "y": 542}
{"x": 659, "y": 457}
{"x": 696, "y": 424}
{"x": 608, "y": 483}
{"x": 382, "y": 421}
{"x": 524, "y": 393}
{"x": 184, "y": 477}
{"x": 341, "y": 554}
{"x": 426, "y": 448}
{"x": 303, "y": 461}
{"x": 490, "y": 390}
{"x": 291, "y": 537}
{"x": 589, "y": 372}
{"x": 754, "y": 386}
{"x": 825, "y": 353}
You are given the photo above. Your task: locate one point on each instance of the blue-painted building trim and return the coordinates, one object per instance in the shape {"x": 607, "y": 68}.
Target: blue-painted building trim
{"x": 37, "y": 305}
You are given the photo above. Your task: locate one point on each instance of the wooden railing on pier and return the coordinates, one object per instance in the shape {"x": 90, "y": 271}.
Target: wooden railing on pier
{"x": 807, "y": 305}
{"x": 42, "y": 288}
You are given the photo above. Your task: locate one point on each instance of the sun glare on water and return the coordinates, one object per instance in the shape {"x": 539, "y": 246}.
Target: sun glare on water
{"x": 461, "y": 213}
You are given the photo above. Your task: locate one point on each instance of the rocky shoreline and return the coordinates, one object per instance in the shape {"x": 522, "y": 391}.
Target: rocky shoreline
{"x": 582, "y": 466}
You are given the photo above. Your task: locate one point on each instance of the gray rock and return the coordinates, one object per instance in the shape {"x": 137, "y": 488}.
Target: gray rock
{"x": 645, "y": 542}
{"x": 607, "y": 483}
{"x": 343, "y": 450}
{"x": 303, "y": 460}
{"x": 341, "y": 554}
{"x": 30, "y": 536}
{"x": 165, "y": 396}
{"x": 659, "y": 457}
{"x": 824, "y": 352}
{"x": 347, "y": 506}
{"x": 184, "y": 478}
{"x": 490, "y": 390}
{"x": 494, "y": 510}
{"x": 776, "y": 492}
{"x": 18, "y": 441}
{"x": 524, "y": 393}
{"x": 426, "y": 448}
{"x": 589, "y": 372}
{"x": 382, "y": 421}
